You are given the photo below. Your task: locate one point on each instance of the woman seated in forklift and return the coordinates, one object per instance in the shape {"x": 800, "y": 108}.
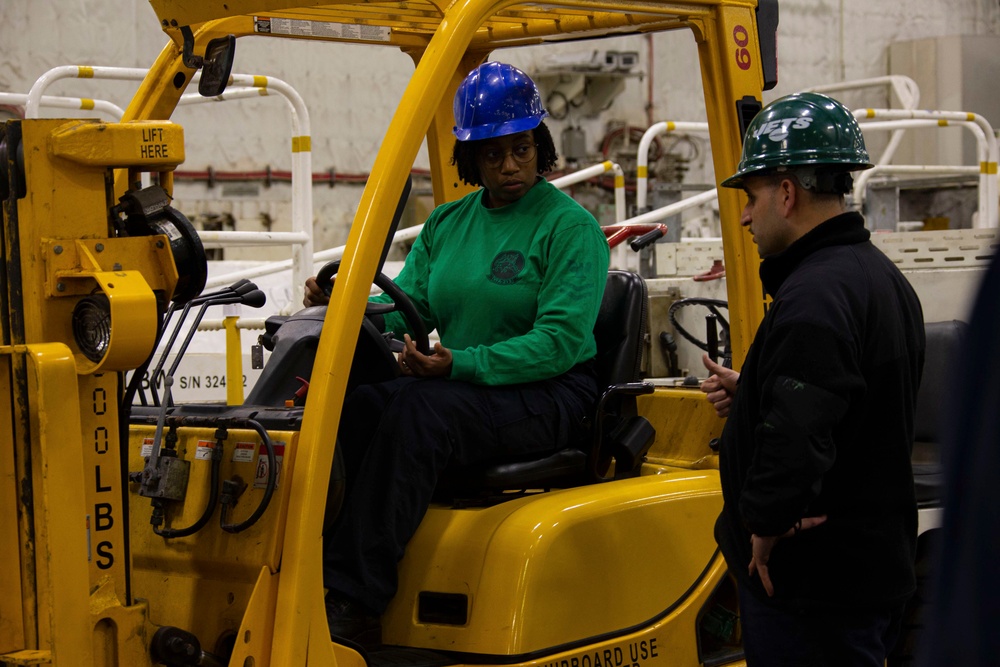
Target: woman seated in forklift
{"x": 512, "y": 277}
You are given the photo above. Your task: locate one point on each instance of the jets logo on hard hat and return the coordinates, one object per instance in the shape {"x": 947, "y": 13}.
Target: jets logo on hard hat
{"x": 777, "y": 130}
{"x": 798, "y": 131}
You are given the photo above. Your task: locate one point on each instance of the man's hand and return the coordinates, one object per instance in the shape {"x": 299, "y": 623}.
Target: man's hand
{"x": 314, "y": 294}
{"x": 720, "y": 386}
{"x": 435, "y": 364}
{"x": 762, "y": 546}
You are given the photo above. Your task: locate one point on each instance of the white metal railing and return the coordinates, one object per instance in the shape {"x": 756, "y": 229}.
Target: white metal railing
{"x": 301, "y": 237}
{"x": 254, "y": 323}
{"x": 989, "y": 152}
{"x": 906, "y": 90}
{"x": 302, "y": 203}
{"x": 301, "y": 209}
{"x": 669, "y": 210}
{"x": 411, "y": 233}
{"x": 699, "y": 199}
{"x": 642, "y": 157}
{"x": 59, "y": 102}
{"x": 271, "y": 268}
{"x": 222, "y": 239}
{"x": 597, "y": 170}
{"x": 76, "y": 72}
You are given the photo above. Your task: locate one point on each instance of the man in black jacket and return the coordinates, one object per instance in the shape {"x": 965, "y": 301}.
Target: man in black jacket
{"x": 819, "y": 524}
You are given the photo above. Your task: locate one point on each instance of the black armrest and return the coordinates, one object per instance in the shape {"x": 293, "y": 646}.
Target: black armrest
{"x": 602, "y": 449}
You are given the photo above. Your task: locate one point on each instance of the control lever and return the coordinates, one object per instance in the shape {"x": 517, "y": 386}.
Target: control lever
{"x": 712, "y": 337}
{"x": 240, "y": 287}
{"x": 640, "y": 242}
{"x": 247, "y": 294}
{"x": 669, "y": 347}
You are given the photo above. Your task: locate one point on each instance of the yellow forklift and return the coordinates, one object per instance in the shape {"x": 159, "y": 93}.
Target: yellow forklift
{"x": 191, "y": 535}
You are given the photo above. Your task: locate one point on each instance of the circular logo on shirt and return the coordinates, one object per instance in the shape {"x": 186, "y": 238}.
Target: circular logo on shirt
{"x": 506, "y": 266}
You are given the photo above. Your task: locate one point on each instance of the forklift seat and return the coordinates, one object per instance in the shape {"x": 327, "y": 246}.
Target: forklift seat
{"x": 944, "y": 340}
{"x": 616, "y": 432}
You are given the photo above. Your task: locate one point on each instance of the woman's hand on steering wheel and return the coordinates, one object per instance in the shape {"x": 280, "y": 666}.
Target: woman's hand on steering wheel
{"x": 319, "y": 289}
{"x": 314, "y": 294}
{"x": 412, "y": 362}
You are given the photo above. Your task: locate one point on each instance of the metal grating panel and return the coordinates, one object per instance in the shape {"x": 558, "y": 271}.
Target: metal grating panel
{"x": 908, "y": 250}
{"x": 694, "y": 257}
{"x": 939, "y": 249}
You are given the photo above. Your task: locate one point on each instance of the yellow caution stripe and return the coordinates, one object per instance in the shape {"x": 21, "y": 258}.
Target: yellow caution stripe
{"x": 302, "y": 144}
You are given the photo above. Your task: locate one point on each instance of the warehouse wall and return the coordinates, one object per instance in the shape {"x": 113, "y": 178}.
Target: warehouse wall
{"x": 351, "y": 91}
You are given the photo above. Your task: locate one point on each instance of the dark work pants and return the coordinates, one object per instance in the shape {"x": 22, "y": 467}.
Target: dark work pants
{"x": 775, "y": 637}
{"x": 398, "y": 437}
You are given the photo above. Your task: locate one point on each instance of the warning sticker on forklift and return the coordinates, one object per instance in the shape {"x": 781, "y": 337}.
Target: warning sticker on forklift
{"x": 633, "y": 654}
{"x": 147, "y": 447}
{"x": 204, "y": 450}
{"x": 244, "y": 452}
{"x": 264, "y": 464}
{"x": 270, "y": 25}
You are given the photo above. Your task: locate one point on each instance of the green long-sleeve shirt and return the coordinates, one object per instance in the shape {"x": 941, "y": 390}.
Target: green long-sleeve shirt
{"x": 513, "y": 291}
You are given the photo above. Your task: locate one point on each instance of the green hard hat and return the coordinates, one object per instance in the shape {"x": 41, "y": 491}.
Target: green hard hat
{"x": 801, "y": 130}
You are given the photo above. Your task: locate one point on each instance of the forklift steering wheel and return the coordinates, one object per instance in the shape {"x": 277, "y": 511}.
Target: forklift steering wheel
{"x": 712, "y": 304}
{"x": 400, "y": 301}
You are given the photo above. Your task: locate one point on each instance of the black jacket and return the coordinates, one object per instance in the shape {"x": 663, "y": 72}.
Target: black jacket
{"x": 822, "y": 424}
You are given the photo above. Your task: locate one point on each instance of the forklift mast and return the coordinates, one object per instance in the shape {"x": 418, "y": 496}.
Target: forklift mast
{"x": 86, "y": 280}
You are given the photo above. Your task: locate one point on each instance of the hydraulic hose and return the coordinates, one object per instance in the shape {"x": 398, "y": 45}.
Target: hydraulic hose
{"x": 213, "y": 498}
{"x": 272, "y": 483}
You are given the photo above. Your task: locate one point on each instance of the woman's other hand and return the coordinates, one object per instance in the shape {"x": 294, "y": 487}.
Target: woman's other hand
{"x": 435, "y": 364}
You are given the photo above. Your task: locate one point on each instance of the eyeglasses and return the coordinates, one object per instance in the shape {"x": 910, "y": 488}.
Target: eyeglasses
{"x": 495, "y": 157}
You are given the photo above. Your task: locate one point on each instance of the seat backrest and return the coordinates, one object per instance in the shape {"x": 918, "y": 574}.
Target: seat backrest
{"x": 620, "y": 330}
{"x": 944, "y": 339}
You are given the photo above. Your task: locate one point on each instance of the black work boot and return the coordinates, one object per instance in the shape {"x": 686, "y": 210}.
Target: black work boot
{"x": 350, "y": 620}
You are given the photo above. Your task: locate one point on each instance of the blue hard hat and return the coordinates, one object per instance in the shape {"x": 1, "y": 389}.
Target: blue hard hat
{"x": 494, "y": 100}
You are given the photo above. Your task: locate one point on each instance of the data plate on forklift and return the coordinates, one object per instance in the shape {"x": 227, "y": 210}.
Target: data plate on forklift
{"x": 266, "y": 25}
